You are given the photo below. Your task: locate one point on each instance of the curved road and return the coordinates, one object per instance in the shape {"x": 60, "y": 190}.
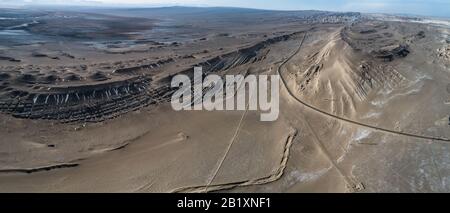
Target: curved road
{"x": 379, "y": 129}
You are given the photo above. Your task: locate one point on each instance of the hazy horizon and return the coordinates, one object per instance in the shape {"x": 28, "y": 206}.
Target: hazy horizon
{"x": 439, "y": 8}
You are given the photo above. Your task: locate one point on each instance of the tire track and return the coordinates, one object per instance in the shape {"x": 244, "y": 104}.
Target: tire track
{"x": 260, "y": 181}
{"x": 233, "y": 139}
{"x": 351, "y": 184}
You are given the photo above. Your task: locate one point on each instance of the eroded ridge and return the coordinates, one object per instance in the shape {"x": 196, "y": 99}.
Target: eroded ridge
{"x": 87, "y": 103}
{"x": 102, "y": 96}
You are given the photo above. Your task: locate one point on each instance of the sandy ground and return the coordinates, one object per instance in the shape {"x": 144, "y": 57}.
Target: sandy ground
{"x": 363, "y": 108}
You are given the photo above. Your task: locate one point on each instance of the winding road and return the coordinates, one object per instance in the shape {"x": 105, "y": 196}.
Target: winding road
{"x": 379, "y": 129}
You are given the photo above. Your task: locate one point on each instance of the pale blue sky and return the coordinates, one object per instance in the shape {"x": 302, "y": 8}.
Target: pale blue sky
{"x": 419, "y": 7}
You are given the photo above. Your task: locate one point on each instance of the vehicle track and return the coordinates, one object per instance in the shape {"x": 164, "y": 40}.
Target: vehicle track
{"x": 233, "y": 139}
{"x": 274, "y": 176}
{"x": 350, "y": 183}
{"x": 379, "y": 129}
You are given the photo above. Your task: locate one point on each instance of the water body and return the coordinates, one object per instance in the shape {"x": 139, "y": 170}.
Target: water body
{"x": 18, "y": 37}
{"x": 7, "y": 18}
{"x": 168, "y": 30}
{"x": 22, "y": 25}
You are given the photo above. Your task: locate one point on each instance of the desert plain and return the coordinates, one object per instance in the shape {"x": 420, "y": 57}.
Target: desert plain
{"x": 85, "y": 101}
